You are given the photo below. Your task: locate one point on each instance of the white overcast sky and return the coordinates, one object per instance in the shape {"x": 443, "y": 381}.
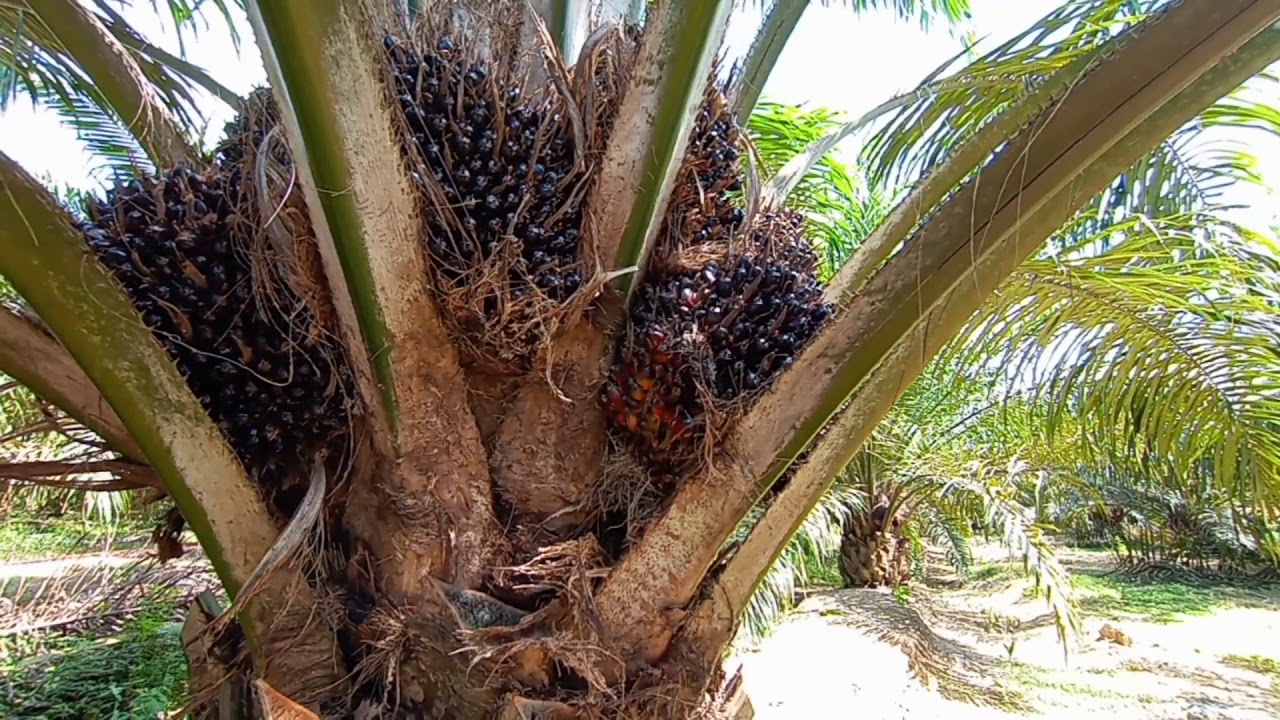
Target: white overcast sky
{"x": 835, "y": 59}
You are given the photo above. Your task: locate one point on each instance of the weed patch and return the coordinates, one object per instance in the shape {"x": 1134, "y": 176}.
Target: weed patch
{"x": 1260, "y": 664}
{"x": 31, "y": 538}
{"x": 820, "y": 574}
{"x": 995, "y": 573}
{"x": 1120, "y": 597}
{"x": 138, "y": 673}
{"x": 1040, "y": 681}
{"x": 1256, "y": 663}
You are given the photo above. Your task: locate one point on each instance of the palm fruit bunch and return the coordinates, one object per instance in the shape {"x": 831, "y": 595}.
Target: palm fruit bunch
{"x": 177, "y": 244}
{"x": 704, "y": 208}
{"x": 504, "y": 163}
{"x": 248, "y": 130}
{"x": 723, "y": 311}
{"x": 714, "y": 337}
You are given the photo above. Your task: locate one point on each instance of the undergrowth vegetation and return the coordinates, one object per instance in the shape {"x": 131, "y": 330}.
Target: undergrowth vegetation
{"x": 30, "y": 535}
{"x": 1128, "y": 596}
{"x": 139, "y": 672}
{"x": 1260, "y": 664}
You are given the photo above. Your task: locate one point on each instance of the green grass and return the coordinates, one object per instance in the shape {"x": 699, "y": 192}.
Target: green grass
{"x": 993, "y": 571}
{"x": 1120, "y": 597}
{"x": 1256, "y": 663}
{"x": 1260, "y": 664}
{"x": 989, "y": 575}
{"x": 26, "y": 538}
{"x": 139, "y": 673}
{"x": 1038, "y": 680}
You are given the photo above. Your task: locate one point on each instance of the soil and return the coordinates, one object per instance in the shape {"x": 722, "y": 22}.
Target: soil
{"x": 845, "y": 653}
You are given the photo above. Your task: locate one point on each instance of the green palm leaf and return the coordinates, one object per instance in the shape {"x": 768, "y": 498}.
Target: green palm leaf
{"x": 34, "y": 57}
{"x": 922, "y": 134}
{"x": 36, "y": 63}
{"x": 187, "y": 16}
{"x": 1195, "y": 168}
{"x": 187, "y": 71}
{"x": 926, "y": 12}
{"x": 115, "y": 150}
{"x": 1158, "y": 334}
{"x": 841, "y": 207}
{"x": 815, "y": 545}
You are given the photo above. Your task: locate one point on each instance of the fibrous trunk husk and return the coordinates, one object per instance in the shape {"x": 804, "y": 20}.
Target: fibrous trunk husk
{"x": 873, "y": 555}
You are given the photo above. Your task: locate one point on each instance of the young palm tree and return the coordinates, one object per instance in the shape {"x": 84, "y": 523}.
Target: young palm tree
{"x": 929, "y": 474}
{"x": 466, "y": 455}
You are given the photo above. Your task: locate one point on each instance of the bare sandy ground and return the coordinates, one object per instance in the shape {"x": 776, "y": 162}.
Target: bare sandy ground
{"x": 844, "y": 654}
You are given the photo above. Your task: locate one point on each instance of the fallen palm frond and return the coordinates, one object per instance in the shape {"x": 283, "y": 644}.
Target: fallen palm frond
{"x": 78, "y": 594}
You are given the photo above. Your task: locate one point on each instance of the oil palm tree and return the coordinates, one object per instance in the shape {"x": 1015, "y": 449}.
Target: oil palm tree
{"x": 443, "y": 473}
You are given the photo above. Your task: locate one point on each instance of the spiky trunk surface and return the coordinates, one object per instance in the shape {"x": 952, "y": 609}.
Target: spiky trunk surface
{"x": 872, "y": 555}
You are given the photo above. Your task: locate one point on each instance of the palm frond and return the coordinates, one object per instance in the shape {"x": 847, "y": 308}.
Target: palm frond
{"x": 35, "y": 63}
{"x": 115, "y": 150}
{"x": 1159, "y": 335}
{"x": 950, "y": 532}
{"x": 926, "y": 12}
{"x": 1019, "y": 532}
{"x": 922, "y": 134}
{"x": 815, "y": 544}
{"x": 187, "y": 17}
{"x": 1196, "y": 167}
{"x": 125, "y": 33}
{"x": 1167, "y": 518}
{"x": 955, "y": 12}
{"x": 841, "y": 207}
{"x": 33, "y": 54}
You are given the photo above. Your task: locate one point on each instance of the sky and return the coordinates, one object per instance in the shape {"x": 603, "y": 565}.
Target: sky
{"x": 835, "y": 59}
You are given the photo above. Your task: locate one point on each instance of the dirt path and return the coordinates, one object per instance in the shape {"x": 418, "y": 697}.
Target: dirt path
{"x": 57, "y": 567}
{"x": 1196, "y": 653}
{"x": 818, "y": 664}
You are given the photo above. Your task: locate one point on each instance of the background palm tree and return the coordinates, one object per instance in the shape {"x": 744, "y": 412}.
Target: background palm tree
{"x": 473, "y": 505}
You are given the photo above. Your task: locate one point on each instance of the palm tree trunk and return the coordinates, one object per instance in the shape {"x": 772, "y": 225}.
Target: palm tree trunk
{"x": 862, "y": 546}
{"x": 872, "y": 555}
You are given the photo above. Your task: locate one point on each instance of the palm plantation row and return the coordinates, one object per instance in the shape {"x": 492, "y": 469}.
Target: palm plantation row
{"x": 476, "y": 423}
